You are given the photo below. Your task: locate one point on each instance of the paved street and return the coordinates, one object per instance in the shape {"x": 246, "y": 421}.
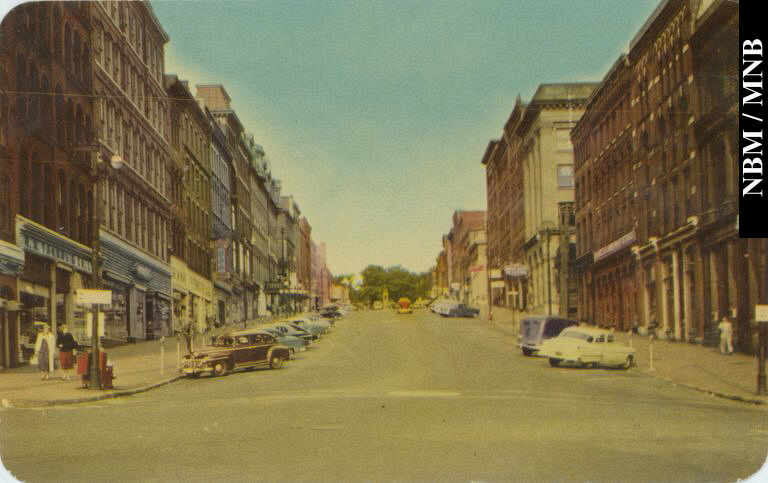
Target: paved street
{"x": 396, "y": 397}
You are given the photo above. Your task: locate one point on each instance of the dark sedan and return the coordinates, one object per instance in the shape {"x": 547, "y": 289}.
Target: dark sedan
{"x": 463, "y": 310}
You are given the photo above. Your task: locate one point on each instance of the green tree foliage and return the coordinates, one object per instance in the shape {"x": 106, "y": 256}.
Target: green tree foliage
{"x": 398, "y": 281}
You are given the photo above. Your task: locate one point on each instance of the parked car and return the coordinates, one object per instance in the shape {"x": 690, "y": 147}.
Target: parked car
{"x": 442, "y": 306}
{"x": 378, "y": 305}
{"x": 313, "y": 328}
{"x": 535, "y": 329}
{"x": 587, "y": 346}
{"x": 236, "y": 350}
{"x": 287, "y": 329}
{"x": 296, "y": 344}
{"x": 462, "y": 310}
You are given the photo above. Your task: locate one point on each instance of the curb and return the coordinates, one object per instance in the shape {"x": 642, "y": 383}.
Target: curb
{"x": 27, "y": 403}
{"x": 732, "y": 397}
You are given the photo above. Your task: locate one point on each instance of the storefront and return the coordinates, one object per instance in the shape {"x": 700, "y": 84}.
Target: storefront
{"x": 11, "y": 265}
{"x": 54, "y": 268}
{"x": 141, "y": 291}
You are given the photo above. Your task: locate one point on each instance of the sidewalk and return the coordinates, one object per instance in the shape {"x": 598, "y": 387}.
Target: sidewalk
{"x": 137, "y": 368}
{"x": 691, "y": 365}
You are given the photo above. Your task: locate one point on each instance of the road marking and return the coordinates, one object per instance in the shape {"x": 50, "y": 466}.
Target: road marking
{"x": 423, "y": 394}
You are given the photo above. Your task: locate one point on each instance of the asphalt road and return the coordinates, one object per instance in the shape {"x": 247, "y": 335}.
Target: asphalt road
{"x": 397, "y": 397}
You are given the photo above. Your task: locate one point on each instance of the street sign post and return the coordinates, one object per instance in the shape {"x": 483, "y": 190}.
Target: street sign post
{"x": 761, "y": 316}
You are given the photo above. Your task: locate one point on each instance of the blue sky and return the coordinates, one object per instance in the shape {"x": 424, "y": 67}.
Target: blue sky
{"x": 376, "y": 114}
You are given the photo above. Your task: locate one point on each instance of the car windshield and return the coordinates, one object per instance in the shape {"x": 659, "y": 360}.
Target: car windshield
{"x": 577, "y": 335}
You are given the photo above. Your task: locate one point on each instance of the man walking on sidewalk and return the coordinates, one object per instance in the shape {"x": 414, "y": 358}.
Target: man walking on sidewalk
{"x": 726, "y": 335}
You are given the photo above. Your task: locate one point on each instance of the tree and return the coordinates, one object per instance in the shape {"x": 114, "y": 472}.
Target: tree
{"x": 398, "y": 281}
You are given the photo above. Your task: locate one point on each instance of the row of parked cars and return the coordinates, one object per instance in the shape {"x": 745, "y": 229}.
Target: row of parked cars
{"x": 564, "y": 341}
{"x": 267, "y": 345}
{"x": 451, "y": 308}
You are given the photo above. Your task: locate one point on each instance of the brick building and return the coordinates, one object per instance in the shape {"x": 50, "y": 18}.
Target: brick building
{"x": 45, "y": 170}
{"x": 657, "y": 164}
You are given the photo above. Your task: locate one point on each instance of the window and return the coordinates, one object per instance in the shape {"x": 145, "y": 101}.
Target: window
{"x": 565, "y": 176}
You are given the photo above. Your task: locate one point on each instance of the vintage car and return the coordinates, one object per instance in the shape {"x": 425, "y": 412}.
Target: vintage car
{"x": 243, "y": 349}
{"x": 404, "y": 306}
{"x": 587, "y": 346}
{"x": 462, "y": 310}
{"x": 538, "y": 328}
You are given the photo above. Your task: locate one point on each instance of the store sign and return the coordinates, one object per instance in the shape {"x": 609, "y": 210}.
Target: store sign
{"x": 516, "y": 270}
{"x": 57, "y": 248}
{"x": 86, "y": 296}
{"x": 615, "y": 246}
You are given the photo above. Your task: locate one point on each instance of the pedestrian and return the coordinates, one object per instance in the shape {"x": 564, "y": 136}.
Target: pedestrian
{"x": 44, "y": 347}
{"x": 726, "y": 335}
{"x": 67, "y": 345}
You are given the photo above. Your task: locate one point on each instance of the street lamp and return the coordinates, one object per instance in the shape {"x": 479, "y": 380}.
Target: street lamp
{"x": 116, "y": 161}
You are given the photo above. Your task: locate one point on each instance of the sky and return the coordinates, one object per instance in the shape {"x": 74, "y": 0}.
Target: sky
{"x": 376, "y": 114}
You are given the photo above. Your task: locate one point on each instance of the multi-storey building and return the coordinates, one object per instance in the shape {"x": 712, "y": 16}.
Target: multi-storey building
{"x": 477, "y": 270}
{"x": 192, "y": 227}
{"x": 131, "y": 117}
{"x": 259, "y": 217}
{"x": 605, "y": 203}
{"x": 46, "y": 155}
{"x": 467, "y": 227}
{"x": 304, "y": 261}
{"x": 440, "y": 282}
{"x": 218, "y": 103}
{"x": 222, "y": 223}
{"x": 287, "y": 222}
{"x": 530, "y": 182}
{"x": 658, "y": 153}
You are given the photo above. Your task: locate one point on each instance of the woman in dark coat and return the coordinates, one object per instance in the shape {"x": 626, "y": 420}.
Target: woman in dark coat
{"x": 66, "y": 344}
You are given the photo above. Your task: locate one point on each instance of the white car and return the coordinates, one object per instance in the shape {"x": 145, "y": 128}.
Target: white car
{"x": 587, "y": 346}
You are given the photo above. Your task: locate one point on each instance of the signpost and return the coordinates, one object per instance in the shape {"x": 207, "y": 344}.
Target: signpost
{"x": 761, "y": 316}
{"x": 94, "y": 298}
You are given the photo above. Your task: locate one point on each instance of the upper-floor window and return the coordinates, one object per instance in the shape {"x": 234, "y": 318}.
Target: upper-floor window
{"x": 565, "y": 176}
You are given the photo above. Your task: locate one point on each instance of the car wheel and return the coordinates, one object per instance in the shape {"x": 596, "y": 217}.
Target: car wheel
{"x": 527, "y": 352}
{"x": 628, "y": 363}
{"x": 276, "y": 362}
{"x": 554, "y": 362}
{"x": 219, "y": 368}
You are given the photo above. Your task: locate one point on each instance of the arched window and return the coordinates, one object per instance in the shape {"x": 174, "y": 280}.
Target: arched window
{"x": 85, "y": 73}
{"x": 49, "y": 211}
{"x": 69, "y": 127}
{"x": 74, "y": 206}
{"x": 24, "y": 186}
{"x": 57, "y": 44}
{"x": 59, "y": 116}
{"x": 21, "y": 85}
{"x": 47, "y": 107}
{"x": 34, "y": 99}
{"x": 36, "y": 182}
{"x": 67, "y": 48}
{"x": 82, "y": 231}
{"x": 43, "y": 19}
{"x": 88, "y": 130}
{"x": 62, "y": 208}
{"x": 77, "y": 55}
{"x": 80, "y": 126}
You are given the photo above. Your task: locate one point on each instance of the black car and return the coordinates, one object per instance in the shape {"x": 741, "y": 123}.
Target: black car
{"x": 463, "y": 310}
